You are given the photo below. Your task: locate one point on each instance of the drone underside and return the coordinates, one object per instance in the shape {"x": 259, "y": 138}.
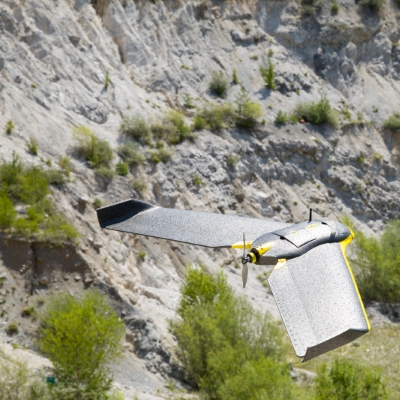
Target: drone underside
{"x": 312, "y": 281}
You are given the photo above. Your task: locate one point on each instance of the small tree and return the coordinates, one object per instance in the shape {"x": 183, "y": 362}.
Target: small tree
{"x": 81, "y": 336}
{"x": 268, "y": 75}
{"x": 247, "y": 111}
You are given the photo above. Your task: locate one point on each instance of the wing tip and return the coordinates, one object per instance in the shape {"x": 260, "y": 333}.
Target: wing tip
{"x": 121, "y": 211}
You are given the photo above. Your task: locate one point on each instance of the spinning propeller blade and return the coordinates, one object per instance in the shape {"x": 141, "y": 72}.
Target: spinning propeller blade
{"x": 245, "y": 268}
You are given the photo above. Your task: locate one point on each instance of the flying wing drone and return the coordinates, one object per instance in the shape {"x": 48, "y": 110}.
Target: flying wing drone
{"x": 312, "y": 282}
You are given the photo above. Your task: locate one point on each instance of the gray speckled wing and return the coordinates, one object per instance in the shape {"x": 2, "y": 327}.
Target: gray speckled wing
{"x": 201, "y": 228}
{"x": 319, "y": 301}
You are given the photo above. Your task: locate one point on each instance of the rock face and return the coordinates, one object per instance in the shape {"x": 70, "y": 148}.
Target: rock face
{"x": 54, "y": 59}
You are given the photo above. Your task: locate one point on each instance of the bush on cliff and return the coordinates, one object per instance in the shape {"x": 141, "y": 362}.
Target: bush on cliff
{"x": 228, "y": 349}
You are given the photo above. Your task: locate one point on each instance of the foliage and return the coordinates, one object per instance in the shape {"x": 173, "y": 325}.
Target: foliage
{"x": 64, "y": 163}
{"x": 199, "y": 123}
{"x": 393, "y": 122}
{"x": 311, "y": 7}
{"x": 218, "y": 116}
{"x": 7, "y": 212}
{"x": 317, "y": 113}
{"x": 235, "y": 78}
{"x": 104, "y": 173}
{"x": 97, "y": 203}
{"x": 346, "y": 380}
{"x": 30, "y": 185}
{"x": 136, "y": 127}
{"x": 107, "y": 80}
{"x": 282, "y": 118}
{"x": 81, "y": 336}
{"x": 227, "y": 348}
{"x": 335, "y": 6}
{"x": 377, "y": 264}
{"x": 9, "y": 126}
{"x": 97, "y": 151}
{"x": 188, "y": 101}
{"x": 197, "y": 180}
{"x": 219, "y": 84}
{"x": 131, "y": 153}
{"x": 247, "y": 111}
{"x": 138, "y": 184}
{"x": 12, "y": 328}
{"x": 33, "y": 146}
{"x": 17, "y": 383}
{"x": 373, "y": 5}
{"x": 268, "y": 75}
{"x": 180, "y": 130}
{"x": 55, "y": 177}
{"x": 160, "y": 155}
{"x": 232, "y": 160}
{"x": 122, "y": 169}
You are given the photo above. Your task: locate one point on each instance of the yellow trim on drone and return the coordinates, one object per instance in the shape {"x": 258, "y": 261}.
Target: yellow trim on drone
{"x": 239, "y": 245}
{"x": 263, "y": 248}
{"x": 343, "y": 245}
{"x": 253, "y": 257}
{"x": 281, "y": 263}
{"x": 312, "y": 226}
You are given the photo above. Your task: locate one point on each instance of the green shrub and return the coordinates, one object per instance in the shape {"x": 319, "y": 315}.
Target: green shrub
{"x": 121, "y": 169}
{"x": 218, "y": 116}
{"x": 131, "y": 153}
{"x": 197, "y": 180}
{"x": 64, "y": 163}
{"x": 232, "y": 160}
{"x": 188, "y": 101}
{"x": 81, "y": 336}
{"x": 55, "y": 177}
{"x": 12, "y": 328}
{"x": 311, "y": 7}
{"x": 335, "y": 7}
{"x": 97, "y": 203}
{"x": 138, "y": 184}
{"x": 104, "y": 173}
{"x": 96, "y": 151}
{"x": 235, "y": 78}
{"x": 282, "y": 118}
{"x": 160, "y": 155}
{"x": 33, "y": 185}
{"x": 373, "y": 5}
{"x": 199, "y": 123}
{"x": 33, "y": 146}
{"x": 346, "y": 380}
{"x": 142, "y": 254}
{"x": 219, "y": 84}
{"x": 268, "y": 75}
{"x": 377, "y": 264}
{"x": 107, "y": 80}
{"x": 28, "y": 311}
{"x": 7, "y": 212}
{"x": 180, "y": 130}
{"x": 227, "y": 348}
{"x": 317, "y": 113}
{"x": 136, "y": 127}
{"x": 393, "y": 122}
{"x": 247, "y": 111}
{"x": 9, "y": 127}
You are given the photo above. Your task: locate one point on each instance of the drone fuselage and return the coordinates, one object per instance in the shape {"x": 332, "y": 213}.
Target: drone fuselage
{"x": 296, "y": 240}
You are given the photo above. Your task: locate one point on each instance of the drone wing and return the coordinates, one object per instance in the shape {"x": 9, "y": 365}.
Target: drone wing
{"x": 318, "y": 299}
{"x": 201, "y": 228}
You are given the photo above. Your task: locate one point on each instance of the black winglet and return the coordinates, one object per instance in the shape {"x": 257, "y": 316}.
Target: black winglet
{"x": 121, "y": 211}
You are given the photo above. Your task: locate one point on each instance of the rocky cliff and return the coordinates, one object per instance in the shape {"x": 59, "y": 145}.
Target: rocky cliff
{"x": 55, "y": 59}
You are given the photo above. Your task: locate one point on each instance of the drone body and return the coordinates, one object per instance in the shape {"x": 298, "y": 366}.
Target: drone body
{"x": 312, "y": 282}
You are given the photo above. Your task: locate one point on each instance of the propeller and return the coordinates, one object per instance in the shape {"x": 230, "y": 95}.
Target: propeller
{"x": 245, "y": 260}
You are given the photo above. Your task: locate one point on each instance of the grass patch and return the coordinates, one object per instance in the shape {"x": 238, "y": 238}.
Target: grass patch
{"x": 197, "y": 180}
{"x": 232, "y": 160}
{"x": 12, "y": 328}
{"x": 160, "y": 155}
{"x": 28, "y": 311}
{"x": 122, "y": 169}
{"x": 218, "y": 84}
{"x": 335, "y": 7}
{"x": 317, "y": 113}
{"x": 131, "y": 154}
{"x": 393, "y": 122}
{"x": 33, "y": 146}
{"x": 29, "y": 185}
{"x": 218, "y": 116}
{"x": 64, "y": 163}
{"x": 235, "y": 78}
{"x": 136, "y": 128}
{"x": 96, "y": 151}
{"x": 104, "y": 173}
{"x": 9, "y": 127}
{"x": 188, "y": 101}
{"x": 138, "y": 184}
{"x": 268, "y": 75}
{"x": 247, "y": 111}
{"x": 97, "y": 203}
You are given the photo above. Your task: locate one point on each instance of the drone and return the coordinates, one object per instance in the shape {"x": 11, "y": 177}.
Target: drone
{"x": 312, "y": 282}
